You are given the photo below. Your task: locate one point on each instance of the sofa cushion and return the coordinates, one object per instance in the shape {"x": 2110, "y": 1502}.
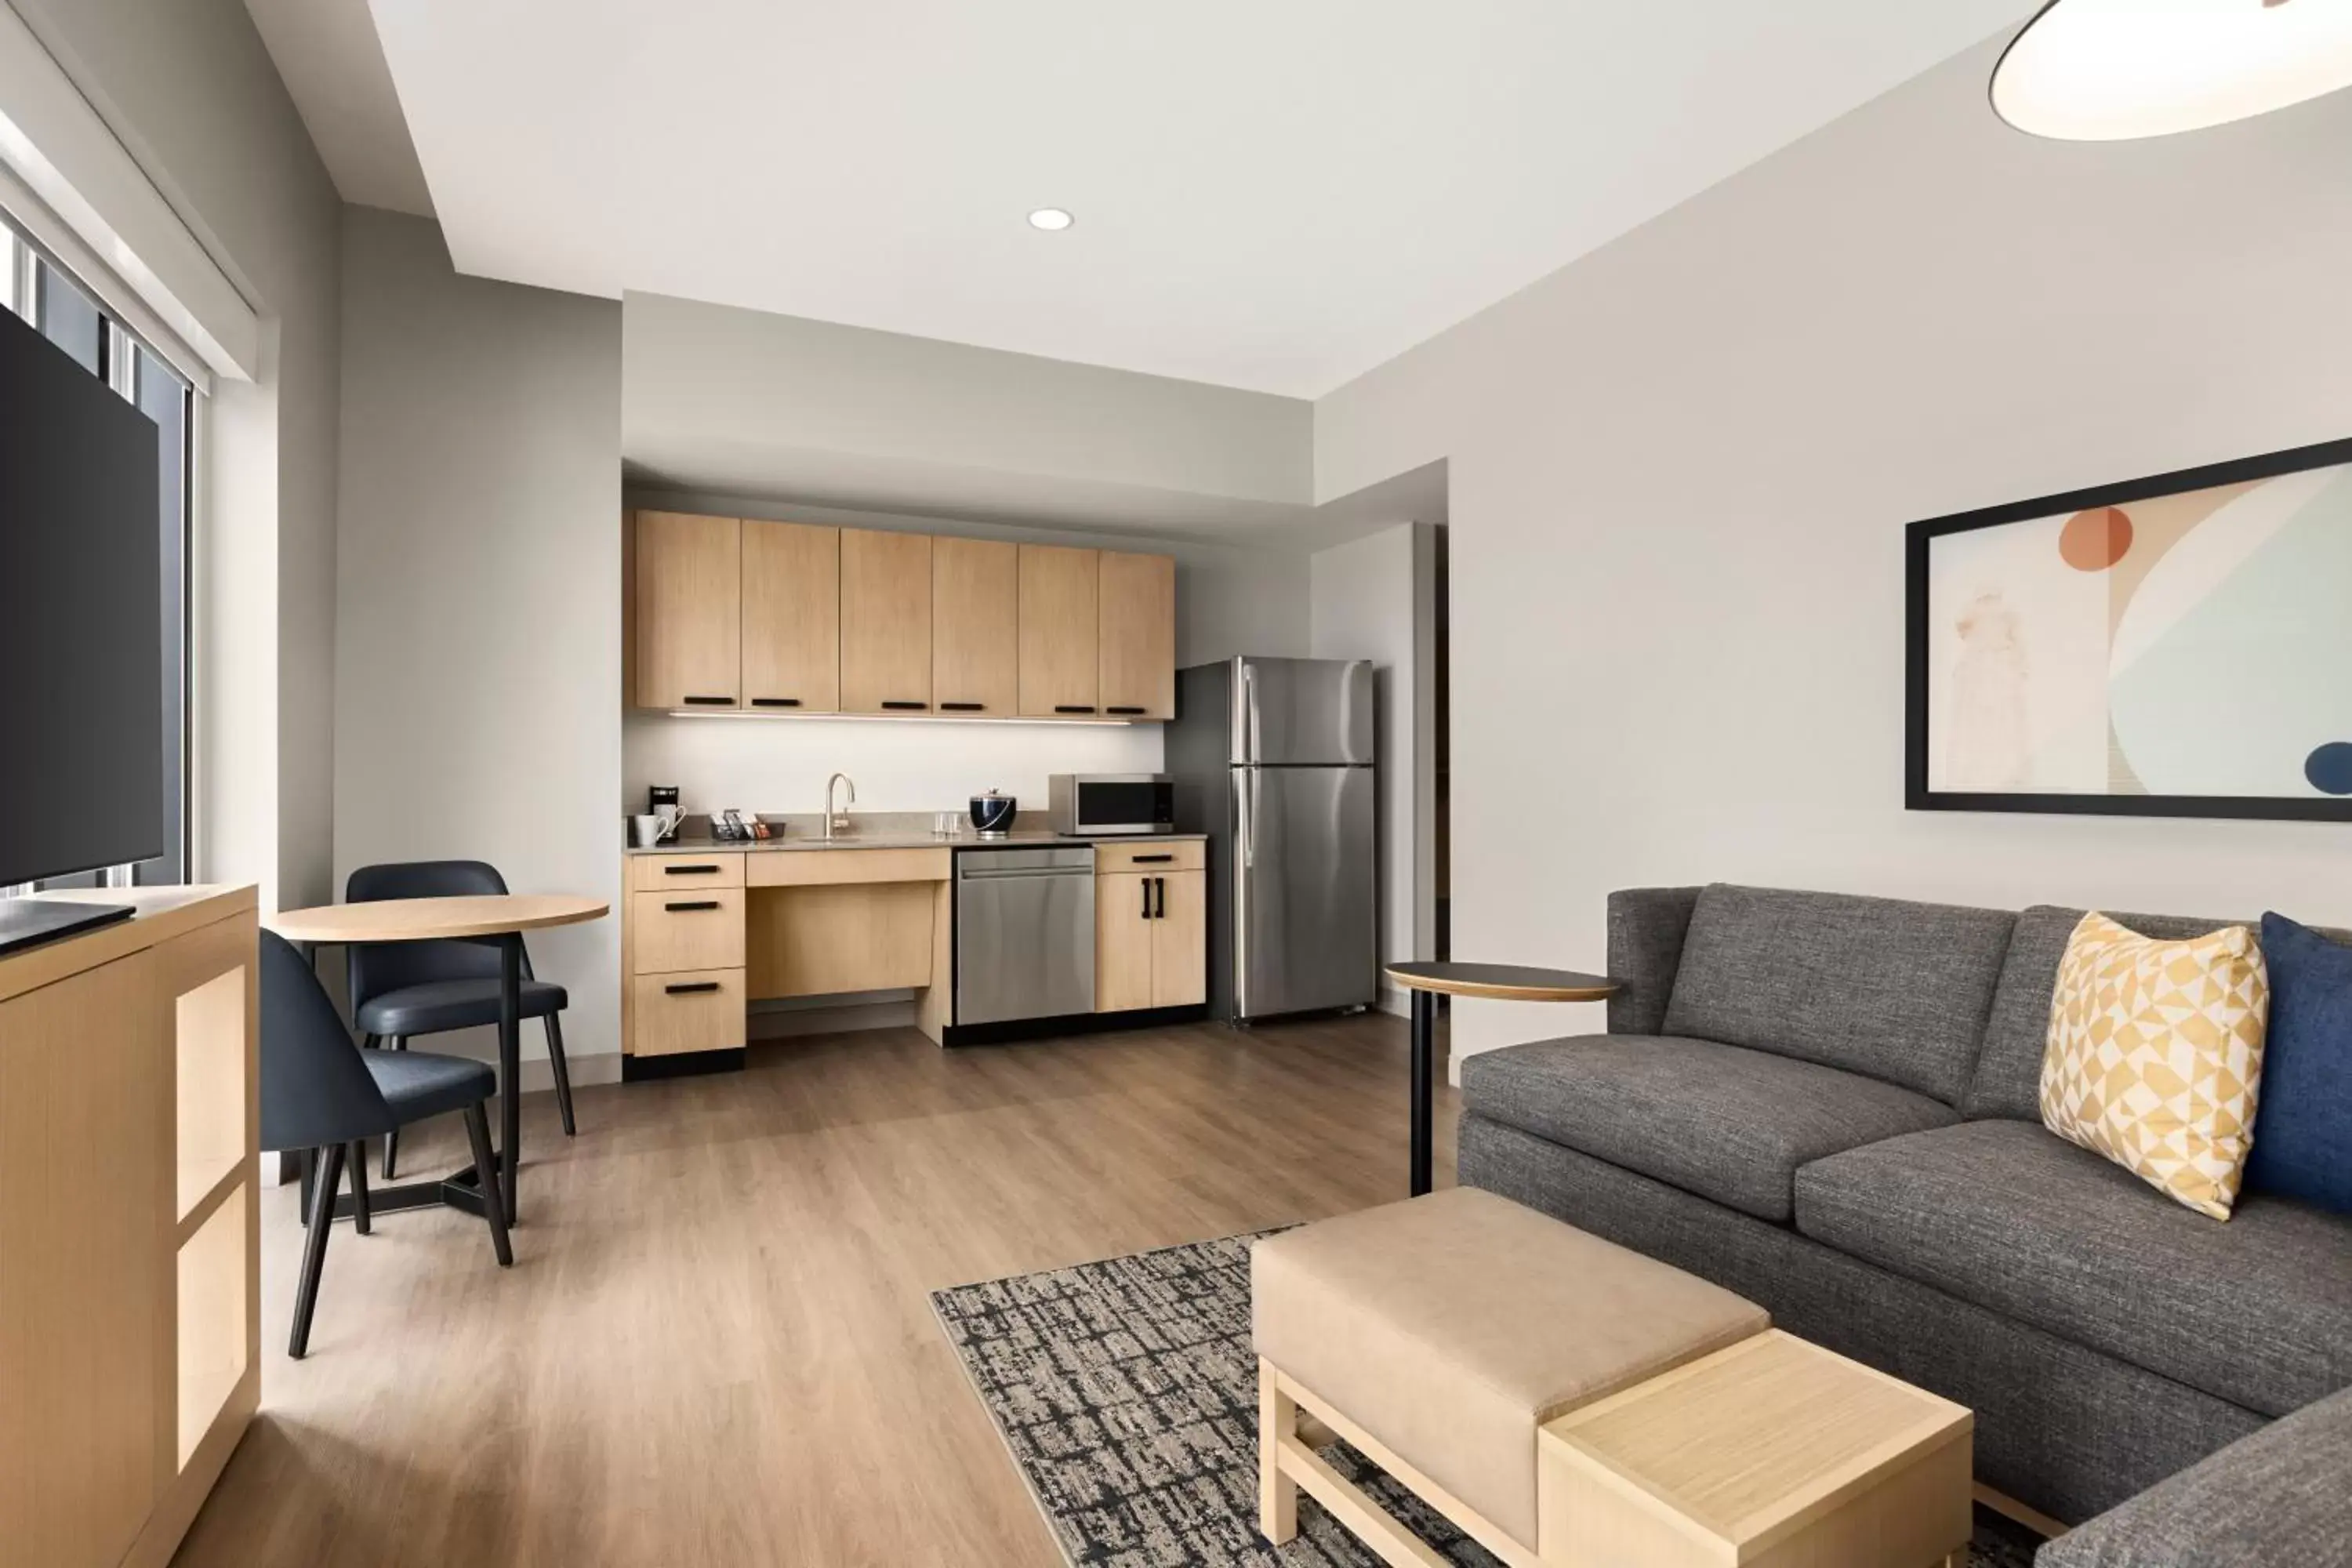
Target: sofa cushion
{"x": 2279, "y": 1498}
{"x": 2003, "y": 1214}
{"x": 2008, "y": 1080}
{"x": 2303, "y": 1133}
{"x": 1896, "y": 990}
{"x": 1723, "y": 1121}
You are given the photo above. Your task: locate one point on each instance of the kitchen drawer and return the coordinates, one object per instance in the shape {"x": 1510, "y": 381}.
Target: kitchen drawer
{"x": 1149, "y": 855}
{"x": 660, "y": 873}
{"x": 696, "y": 1010}
{"x": 686, "y": 927}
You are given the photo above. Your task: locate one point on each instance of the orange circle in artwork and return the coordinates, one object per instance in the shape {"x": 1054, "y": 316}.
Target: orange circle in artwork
{"x": 2096, "y": 540}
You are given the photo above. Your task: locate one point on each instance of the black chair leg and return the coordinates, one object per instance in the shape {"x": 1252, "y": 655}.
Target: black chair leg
{"x": 369, "y": 1042}
{"x": 562, "y": 1074}
{"x": 478, "y": 1132}
{"x": 314, "y": 1249}
{"x": 392, "y": 1138}
{"x": 361, "y": 1220}
{"x": 309, "y": 1182}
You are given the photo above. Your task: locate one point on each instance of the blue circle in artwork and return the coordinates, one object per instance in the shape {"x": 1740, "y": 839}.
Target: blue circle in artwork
{"x": 2329, "y": 768}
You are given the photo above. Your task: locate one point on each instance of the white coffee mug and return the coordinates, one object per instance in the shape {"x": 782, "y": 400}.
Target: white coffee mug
{"x": 645, "y": 832}
{"x": 671, "y": 818}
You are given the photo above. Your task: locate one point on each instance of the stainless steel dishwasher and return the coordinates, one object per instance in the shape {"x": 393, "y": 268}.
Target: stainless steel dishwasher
{"x": 1024, "y": 933}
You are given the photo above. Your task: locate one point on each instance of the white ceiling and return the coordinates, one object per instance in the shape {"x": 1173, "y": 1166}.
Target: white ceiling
{"x": 1276, "y": 194}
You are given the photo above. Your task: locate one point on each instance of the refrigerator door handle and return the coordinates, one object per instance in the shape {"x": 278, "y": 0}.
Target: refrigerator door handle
{"x": 1249, "y": 714}
{"x": 1249, "y": 816}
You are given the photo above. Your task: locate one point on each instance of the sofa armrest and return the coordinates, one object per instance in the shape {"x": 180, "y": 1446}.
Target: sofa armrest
{"x": 2279, "y": 1498}
{"x": 1646, "y": 926}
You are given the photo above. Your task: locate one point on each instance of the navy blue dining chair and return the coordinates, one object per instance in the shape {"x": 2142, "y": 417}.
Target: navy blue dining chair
{"x": 403, "y": 989}
{"x": 324, "y": 1097}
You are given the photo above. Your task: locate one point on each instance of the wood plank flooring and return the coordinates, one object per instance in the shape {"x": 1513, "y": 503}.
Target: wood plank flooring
{"x": 716, "y": 1346}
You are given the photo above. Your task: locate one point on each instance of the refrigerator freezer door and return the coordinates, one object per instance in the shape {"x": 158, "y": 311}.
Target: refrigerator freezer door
{"x": 1306, "y": 927}
{"x": 1301, "y": 711}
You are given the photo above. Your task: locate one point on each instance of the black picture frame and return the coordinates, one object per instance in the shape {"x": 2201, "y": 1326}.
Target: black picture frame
{"x": 1918, "y": 796}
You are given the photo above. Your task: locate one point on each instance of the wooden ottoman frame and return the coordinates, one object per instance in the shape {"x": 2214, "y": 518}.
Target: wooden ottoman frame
{"x": 1848, "y": 1508}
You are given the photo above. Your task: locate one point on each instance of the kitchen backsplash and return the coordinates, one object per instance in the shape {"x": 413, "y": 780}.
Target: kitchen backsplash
{"x": 781, "y": 765}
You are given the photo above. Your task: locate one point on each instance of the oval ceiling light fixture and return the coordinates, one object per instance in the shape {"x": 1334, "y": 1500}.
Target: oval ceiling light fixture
{"x": 1052, "y": 220}
{"x": 2110, "y": 71}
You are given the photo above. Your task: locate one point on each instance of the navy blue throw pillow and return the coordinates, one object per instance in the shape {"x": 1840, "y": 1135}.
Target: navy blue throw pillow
{"x": 2303, "y": 1121}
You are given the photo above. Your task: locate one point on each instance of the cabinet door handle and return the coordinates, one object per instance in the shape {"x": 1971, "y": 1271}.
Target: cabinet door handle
{"x": 708, "y": 701}
{"x": 775, "y": 702}
{"x": 675, "y": 905}
{"x": 1162, "y": 883}
{"x": 690, "y": 987}
{"x": 690, "y": 870}
{"x": 963, "y": 707}
{"x": 1153, "y": 860}
{"x": 907, "y": 706}
{"x": 1132, "y": 712}
{"x": 1147, "y": 897}
{"x": 1071, "y": 708}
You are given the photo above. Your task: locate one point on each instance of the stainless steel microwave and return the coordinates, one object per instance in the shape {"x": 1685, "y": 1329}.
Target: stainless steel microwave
{"x": 1090, "y": 804}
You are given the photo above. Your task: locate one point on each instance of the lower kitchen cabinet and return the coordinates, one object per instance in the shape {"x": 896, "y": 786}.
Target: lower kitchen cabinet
{"x": 1150, "y": 939}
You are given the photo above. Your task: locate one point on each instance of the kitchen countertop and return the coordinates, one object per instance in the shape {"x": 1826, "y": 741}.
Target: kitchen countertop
{"x": 1019, "y": 839}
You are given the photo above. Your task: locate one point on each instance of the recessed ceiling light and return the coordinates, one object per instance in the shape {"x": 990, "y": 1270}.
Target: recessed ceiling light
{"x": 1052, "y": 220}
{"x": 2109, "y": 70}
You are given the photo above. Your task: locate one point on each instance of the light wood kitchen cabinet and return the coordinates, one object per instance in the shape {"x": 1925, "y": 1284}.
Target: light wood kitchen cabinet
{"x": 791, "y": 618}
{"x": 1060, "y": 637}
{"x": 975, "y": 627}
{"x": 885, "y": 622}
{"x": 689, "y": 651}
{"x": 1136, "y": 635}
{"x": 1150, "y": 939}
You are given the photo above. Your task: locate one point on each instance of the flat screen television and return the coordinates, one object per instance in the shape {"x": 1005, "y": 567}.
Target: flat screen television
{"x": 81, "y": 664}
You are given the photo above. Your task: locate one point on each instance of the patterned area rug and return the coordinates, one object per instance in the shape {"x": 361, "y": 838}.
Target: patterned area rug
{"x": 1128, "y": 1395}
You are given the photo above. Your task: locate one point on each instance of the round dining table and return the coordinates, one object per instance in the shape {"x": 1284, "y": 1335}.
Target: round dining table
{"x": 496, "y": 920}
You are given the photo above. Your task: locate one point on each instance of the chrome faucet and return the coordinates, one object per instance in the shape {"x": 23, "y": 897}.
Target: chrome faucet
{"x": 837, "y": 821}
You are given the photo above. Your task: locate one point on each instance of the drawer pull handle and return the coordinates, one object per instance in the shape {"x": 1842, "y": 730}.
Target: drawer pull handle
{"x": 690, "y": 870}
{"x": 1071, "y": 708}
{"x": 710, "y": 701}
{"x": 1153, "y": 860}
{"x": 775, "y": 702}
{"x": 674, "y": 906}
{"x": 891, "y": 707}
{"x": 963, "y": 707}
{"x": 1133, "y": 713}
{"x": 690, "y": 987}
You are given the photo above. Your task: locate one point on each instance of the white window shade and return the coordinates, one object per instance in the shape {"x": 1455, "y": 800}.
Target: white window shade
{"x": 74, "y": 187}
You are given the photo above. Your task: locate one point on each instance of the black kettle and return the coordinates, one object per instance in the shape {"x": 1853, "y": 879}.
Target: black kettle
{"x": 991, "y": 814}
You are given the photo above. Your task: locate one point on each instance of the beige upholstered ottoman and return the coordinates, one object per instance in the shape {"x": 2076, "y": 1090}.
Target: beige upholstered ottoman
{"x": 1572, "y": 1404}
{"x": 1437, "y": 1335}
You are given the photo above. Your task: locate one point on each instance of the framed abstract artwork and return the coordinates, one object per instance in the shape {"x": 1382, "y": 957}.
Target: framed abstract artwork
{"x": 2173, "y": 646}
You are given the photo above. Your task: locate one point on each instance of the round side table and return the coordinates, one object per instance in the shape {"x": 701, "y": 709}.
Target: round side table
{"x": 1508, "y": 981}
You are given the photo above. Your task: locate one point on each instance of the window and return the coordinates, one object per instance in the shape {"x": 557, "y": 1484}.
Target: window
{"x": 34, "y": 285}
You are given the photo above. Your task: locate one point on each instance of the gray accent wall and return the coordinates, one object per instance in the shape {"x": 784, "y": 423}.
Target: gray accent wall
{"x": 1679, "y": 471}
{"x": 478, "y": 657}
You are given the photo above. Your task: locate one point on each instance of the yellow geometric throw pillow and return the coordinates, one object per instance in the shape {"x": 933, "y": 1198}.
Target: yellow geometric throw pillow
{"x": 2155, "y": 1055}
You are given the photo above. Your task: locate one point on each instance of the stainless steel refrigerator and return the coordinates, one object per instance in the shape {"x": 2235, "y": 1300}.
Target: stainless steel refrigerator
{"x": 1272, "y": 758}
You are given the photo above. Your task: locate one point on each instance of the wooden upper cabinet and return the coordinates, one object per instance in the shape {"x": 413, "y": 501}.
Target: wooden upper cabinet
{"x": 975, "y": 627}
{"x": 791, "y": 618}
{"x": 688, "y": 610}
{"x": 1059, "y": 673}
{"x": 885, "y": 622}
{"x": 1137, "y": 635}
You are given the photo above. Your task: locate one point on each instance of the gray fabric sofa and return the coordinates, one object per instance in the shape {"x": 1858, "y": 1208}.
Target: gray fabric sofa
{"x": 1830, "y": 1105}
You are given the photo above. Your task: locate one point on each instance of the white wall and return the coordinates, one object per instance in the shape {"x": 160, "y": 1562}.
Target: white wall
{"x": 726, "y": 399}
{"x": 479, "y": 674}
{"x": 190, "y": 90}
{"x": 1680, "y": 470}
{"x": 1228, "y": 601}
{"x": 1371, "y": 600}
